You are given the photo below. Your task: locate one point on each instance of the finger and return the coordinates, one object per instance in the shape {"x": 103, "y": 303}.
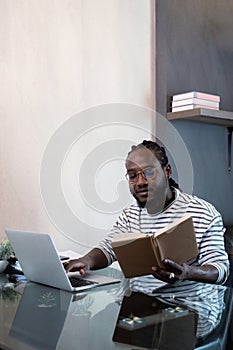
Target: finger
{"x": 172, "y": 266}
{"x": 71, "y": 267}
{"x": 67, "y": 267}
{"x": 168, "y": 276}
{"x": 155, "y": 269}
{"x": 82, "y": 272}
{"x": 74, "y": 266}
{"x": 163, "y": 275}
{"x": 158, "y": 272}
{"x": 65, "y": 264}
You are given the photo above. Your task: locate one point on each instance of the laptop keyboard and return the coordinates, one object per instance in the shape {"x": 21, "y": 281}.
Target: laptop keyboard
{"x": 80, "y": 282}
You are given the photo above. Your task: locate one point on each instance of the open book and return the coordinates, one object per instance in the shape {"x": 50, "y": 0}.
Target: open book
{"x": 137, "y": 252}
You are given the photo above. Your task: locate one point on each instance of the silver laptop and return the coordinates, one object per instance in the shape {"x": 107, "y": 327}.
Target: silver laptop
{"x": 41, "y": 263}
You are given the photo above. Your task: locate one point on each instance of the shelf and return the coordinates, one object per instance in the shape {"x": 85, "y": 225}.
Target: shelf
{"x": 204, "y": 115}
{"x": 209, "y": 116}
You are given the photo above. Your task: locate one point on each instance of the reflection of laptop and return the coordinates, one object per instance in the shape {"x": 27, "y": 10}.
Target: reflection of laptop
{"x": 40, "y": 262}
{"x": 41, "y": 315}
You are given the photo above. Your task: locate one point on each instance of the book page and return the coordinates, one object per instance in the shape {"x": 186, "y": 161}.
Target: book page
{"x": 171, "y": 226}
{"x": 123, "y": 238}
{"x": 179, "y": 243}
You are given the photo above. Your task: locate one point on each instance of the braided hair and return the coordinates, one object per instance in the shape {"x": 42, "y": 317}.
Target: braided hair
{"x": 160, "y": 154}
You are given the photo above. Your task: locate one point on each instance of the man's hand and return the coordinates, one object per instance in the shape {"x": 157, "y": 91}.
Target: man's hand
{"x": 93, "y": 260}
{"x": 172, "y": 272}
{"x": 82, "y": 265}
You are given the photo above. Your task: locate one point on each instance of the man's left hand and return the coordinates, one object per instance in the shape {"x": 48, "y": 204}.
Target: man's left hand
{"x": 171, "y": 272}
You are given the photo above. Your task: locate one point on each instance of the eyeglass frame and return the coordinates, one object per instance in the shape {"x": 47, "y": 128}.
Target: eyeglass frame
{"x": 142, "y": 172}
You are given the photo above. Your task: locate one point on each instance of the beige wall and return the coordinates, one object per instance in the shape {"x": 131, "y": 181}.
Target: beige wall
{"x": 58, "y": 58}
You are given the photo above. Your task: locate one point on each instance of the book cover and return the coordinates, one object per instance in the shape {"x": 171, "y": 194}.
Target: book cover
{"x": 137, "y": 253}
{"x": 192, "y": 106}
{"x": 197, "y": 101}
{"x": 196, "y": 94}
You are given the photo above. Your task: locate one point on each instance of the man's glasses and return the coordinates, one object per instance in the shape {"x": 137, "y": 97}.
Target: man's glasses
{"x": 147, "y": 173}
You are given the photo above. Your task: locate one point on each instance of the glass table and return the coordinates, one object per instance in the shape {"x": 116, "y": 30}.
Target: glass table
{"x": 183, "y": 316}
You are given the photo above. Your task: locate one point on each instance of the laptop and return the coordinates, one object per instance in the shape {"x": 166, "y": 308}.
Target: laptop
{"x": 41, "y": 263}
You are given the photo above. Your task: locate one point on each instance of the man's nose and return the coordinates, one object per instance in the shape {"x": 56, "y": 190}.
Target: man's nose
{"x": 141, "y": 179}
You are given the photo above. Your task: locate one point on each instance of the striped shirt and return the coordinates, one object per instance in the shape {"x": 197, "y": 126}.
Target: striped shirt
{"x": 208, "y": 227}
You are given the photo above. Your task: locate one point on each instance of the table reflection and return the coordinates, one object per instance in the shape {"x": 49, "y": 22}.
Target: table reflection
{"x": 206, "y": 300}
{"x": 40, "y": 316}
{"x": 178, "y": 316}
{"x": 185, "y": 315}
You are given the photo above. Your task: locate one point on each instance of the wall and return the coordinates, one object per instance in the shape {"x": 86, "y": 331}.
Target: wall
{"x": 194, "y": 53}
{"x": 59, "y": 59}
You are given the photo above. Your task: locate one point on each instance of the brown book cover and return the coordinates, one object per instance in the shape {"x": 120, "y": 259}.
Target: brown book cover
{"x": 137, "y": 252}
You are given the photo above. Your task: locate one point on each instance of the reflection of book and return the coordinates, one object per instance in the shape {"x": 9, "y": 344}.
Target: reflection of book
{"x": 197, "y": 101}
{"x": 137, "y": 253}
{"x": 196, "y": 94}
{"x": 192, "y": 106}
{"x": 148, "y": 323}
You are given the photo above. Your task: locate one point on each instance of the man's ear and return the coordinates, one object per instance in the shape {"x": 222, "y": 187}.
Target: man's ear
{"x": 168, "y": 171}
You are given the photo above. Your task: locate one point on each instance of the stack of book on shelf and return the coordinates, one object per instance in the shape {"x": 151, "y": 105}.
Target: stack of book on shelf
{"x": 194, "y": 99}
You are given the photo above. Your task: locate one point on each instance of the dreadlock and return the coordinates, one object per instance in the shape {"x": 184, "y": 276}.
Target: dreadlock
{"x": 160, "y": 154}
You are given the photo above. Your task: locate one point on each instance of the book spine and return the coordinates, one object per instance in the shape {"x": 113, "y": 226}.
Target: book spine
{"x": 196, "y": 94}
{"x": 197, "y": 101}
{"x": 154, "y": 246}
{"x": 192, "y": 106}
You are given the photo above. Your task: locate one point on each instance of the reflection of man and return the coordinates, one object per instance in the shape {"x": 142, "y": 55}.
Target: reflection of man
{"x": 207, "y": 300}
{"x": 158, "y": 203}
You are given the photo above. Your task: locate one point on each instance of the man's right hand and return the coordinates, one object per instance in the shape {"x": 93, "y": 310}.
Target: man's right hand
{"x": 82, "y": 265}
{"x": 93, "y": 260}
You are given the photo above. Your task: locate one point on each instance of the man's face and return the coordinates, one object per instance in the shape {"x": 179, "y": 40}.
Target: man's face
{"x": 150, "y": 191}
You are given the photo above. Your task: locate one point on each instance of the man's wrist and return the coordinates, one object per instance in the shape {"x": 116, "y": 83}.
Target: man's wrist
{"x": 205, "y": 273}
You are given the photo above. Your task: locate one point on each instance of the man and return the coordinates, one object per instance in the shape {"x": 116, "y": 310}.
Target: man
{"x": 158, "y": 203}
